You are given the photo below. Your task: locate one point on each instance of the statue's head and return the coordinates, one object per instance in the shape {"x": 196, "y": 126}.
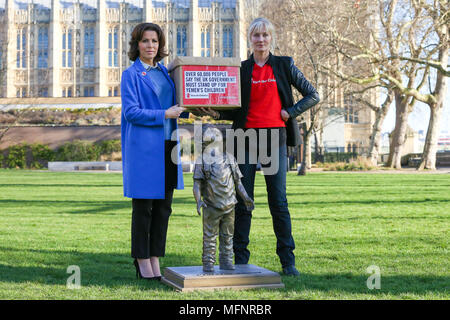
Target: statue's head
{"x": 211, "y": 134}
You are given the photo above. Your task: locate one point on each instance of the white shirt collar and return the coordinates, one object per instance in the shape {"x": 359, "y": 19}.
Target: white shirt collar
{"x": 148, "y": 67}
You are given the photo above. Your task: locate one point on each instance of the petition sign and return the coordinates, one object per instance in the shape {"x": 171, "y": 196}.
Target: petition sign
{"x": 207, "y": 82}
{"x": 210, "y": 85}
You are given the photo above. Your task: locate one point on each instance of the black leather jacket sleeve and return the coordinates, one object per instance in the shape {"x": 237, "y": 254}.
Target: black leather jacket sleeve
{"x": 227, "y": 115}
{"x": 309, "y": 93}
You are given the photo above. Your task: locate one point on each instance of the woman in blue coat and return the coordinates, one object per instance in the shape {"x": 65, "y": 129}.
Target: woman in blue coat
{"x": 149, "y": 123}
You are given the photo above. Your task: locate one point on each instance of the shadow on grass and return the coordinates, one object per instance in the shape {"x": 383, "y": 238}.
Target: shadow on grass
{"x": 385, "y": 202}
{"x": 71, "y": 206}
{"x": 59, "y": 185}
{"x": 116, "y": 270}
{"x": 85, "y": 207}
{"x": 96, "y": 269}
{"x": 357, "y": 284}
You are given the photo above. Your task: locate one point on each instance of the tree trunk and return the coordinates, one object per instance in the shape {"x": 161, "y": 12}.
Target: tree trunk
{"x": 307, "y": 150}
{"x": 306, "y": 162}
{"x": 375, "y": 137}
{"x": 429, "y": 151}
{"x": 318, "y": 147}
{"x": 399, "y": 133}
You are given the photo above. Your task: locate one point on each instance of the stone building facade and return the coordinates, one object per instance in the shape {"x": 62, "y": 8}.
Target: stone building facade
{"x": 78, "y": 48}
{"x": 73, "y": 52}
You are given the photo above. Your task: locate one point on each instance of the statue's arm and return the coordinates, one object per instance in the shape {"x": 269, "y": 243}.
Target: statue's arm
{"x": 243, "y": 194}
{"x": 198, "y": 195}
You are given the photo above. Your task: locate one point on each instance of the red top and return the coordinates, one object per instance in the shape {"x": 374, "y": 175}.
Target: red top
{"x": 265, "y": 104}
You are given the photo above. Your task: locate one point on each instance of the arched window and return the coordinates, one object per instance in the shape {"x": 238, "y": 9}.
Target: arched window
{"x": 42, "y": 48}
{"x": 227, "y": 41}
{"x": 206, "y": 41}
{"x": 351, "y": 110}
{"x": 21, "y": 48}
{"x": 89, "y": 47}
{"x": 181, "y": 41}
{"x": 113, "y": 47}
{"x": 67, "y": 48}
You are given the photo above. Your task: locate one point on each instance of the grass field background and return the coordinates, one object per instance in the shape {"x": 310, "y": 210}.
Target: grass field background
{"x": 342, "y": 224}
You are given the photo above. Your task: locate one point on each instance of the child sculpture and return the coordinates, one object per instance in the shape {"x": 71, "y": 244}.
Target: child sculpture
{"x": 217, "y": 178}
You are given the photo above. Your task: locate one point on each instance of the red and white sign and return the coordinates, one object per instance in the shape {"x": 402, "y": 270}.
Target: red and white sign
{"x": 210, "y": 85}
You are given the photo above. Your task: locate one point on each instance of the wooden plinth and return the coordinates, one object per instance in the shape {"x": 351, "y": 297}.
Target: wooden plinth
{"x": 246, "y": 276}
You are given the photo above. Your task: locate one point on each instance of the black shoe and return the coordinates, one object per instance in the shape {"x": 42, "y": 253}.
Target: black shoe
{"x": 139, "y": 274}
{"x": 291, "y": 271}
{"x": 227, "y": 266}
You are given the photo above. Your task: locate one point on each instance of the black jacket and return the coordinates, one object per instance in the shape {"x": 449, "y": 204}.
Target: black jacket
{"x": 286, "y": 74}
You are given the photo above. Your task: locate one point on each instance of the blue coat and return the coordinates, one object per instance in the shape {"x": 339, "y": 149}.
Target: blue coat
{"x": 143, "y": 135}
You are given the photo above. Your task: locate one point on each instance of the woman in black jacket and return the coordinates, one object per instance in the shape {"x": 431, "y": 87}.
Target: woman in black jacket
{"x": 269, "y": 111}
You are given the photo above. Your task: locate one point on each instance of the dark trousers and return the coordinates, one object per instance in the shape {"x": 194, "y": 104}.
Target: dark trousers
{"x": 278, "y": 205}
{"x": 150, "y": 217}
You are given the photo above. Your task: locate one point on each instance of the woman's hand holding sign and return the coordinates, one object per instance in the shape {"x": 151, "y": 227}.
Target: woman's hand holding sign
{"x": 174, "y": 112}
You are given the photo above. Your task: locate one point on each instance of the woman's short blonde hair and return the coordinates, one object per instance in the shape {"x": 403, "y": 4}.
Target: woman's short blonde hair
{"x": 262, "y": 24}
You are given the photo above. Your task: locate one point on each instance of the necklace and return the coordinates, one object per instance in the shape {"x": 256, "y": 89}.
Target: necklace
{"x": 263, "y": 63}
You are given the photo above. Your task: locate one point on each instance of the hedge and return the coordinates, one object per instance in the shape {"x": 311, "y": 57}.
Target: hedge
{"x": 37, "y": 156}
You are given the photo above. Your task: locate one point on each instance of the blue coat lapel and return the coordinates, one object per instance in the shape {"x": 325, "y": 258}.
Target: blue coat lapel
{"x": 143, "y": 74}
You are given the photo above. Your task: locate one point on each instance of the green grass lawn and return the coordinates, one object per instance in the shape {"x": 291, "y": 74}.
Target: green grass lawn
{"x": 342, "y": 224}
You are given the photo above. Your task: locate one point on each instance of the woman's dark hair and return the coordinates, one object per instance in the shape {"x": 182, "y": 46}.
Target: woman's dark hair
{"x": 138, "y": 33}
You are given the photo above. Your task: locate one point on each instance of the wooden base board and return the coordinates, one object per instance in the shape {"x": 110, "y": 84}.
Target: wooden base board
{"x": 245, "y": 276}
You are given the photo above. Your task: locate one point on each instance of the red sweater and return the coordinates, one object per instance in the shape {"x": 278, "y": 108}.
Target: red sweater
{"x": 265, "y": 104}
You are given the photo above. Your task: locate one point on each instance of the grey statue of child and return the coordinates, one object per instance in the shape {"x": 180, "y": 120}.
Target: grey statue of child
{"x": 217, "y": 178}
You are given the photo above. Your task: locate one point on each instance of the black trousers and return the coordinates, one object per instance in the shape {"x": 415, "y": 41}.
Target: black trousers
{"x": 150, "y": 217}
{"x": 278, "y": 205}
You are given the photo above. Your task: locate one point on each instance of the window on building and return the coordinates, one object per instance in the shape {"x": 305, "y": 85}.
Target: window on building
{"x": 43, "y": 92}
{"x": 88, "y": 91}
{"x": 23, "y": 92}
{"x": 67, "y": 49}
{"x": 181, "y": 41}
{"x": 180, "y": 3}
{"x": 113, "y": 47}
{"x": 227, "y": 40}
{"x": 42, "y": 48}
{"x": 351, "y": 110}
{"x": 225, "y": 3}
{"x": 89, "y": 47}
{"x": 21, "y": 48}
{"x": 228, "y": 4}
{"x": 206, "y": 42}
{"x": 204, "y": 3}
{"x": 113, "y": 92}
{"x": 67, "y": 92}
{"x": 1, "y": 53}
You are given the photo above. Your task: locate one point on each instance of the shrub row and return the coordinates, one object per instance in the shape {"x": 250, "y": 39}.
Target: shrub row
{"x": 334, "y": 156}
{"x": 359, "y": 164}
{"x": 37, "y": 156}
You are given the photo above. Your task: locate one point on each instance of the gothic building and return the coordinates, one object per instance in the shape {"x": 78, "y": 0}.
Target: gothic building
{"x": 73, "y": 52}
{"x": 78, "y": 48}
